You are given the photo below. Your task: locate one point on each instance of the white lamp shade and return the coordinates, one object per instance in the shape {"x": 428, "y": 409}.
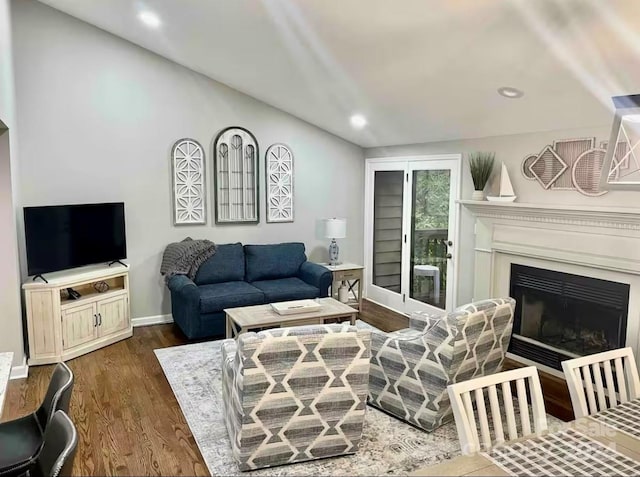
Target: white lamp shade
{"x": 335, "y": 228}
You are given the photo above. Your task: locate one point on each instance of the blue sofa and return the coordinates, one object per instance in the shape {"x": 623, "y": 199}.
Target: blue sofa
{"x": 238, "y": 275}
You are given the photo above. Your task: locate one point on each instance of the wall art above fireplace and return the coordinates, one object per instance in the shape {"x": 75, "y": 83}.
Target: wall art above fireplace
{"x": 573, "y": 164}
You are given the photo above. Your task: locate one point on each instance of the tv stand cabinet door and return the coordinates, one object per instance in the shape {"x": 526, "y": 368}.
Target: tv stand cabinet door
{"x": 113, "y": 315}
{"x": 78, "y": 325}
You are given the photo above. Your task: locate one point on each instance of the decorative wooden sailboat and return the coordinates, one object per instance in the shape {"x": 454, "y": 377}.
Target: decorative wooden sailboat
{"x": 505, "y": 194}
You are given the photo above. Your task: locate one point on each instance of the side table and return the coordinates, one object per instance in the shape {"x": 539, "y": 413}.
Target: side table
{"x": 353, "y": 276}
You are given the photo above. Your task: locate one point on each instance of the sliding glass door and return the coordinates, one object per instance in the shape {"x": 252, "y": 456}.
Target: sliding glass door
{"x": 410, "y": 231}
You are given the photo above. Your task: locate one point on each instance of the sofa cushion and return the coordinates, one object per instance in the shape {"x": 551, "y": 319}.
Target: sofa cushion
{"x": 285, "y": 289}
{"x": 226, "y": 265}
{"x": 266, "y": 262}
{"x": 218, "y": 296}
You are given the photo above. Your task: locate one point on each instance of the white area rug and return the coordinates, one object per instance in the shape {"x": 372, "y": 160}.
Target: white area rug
{"x": 388, "y": 447}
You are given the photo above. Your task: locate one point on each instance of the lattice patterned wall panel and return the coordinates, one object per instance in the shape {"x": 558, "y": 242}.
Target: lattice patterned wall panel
{"x": 189, "y": 202}
{"x": 547, "y": 167}
{"x": 569, "y": 150}
{"x": 236, "y": 176}
{"x": 279, "y": 165}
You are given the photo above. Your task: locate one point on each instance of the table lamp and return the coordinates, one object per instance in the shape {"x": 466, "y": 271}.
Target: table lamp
{"x": 335, "y": 229}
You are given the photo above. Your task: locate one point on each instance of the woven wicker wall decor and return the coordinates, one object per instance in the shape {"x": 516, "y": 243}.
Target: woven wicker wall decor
{"x": 569, "y": 150}
{"x": 279, "y": 176}
{"x": 187, "y": 162}
{"x": 572, "y": 164}
{"x": 528, "y": 160}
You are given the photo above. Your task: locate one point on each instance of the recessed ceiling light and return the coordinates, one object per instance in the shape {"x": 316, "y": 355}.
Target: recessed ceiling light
{"x": 358, "y": 121}
{"x": 511, "y": 93}
{"x": 150, "y": 19}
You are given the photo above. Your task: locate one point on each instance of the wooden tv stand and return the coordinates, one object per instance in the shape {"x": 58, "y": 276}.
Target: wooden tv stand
{"x": 61, "y": 328}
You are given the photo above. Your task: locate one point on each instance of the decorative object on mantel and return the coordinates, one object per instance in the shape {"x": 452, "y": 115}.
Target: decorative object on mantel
{"x": 587, "y": 170}
{"x": 623, "y": 141}
{"x": 571, "y": 164}
{"x": 505, "y": 192}
{"x": 547, "y": 167}
{"x": 187, "y": 161}
{"x": 480, "y": 166}
{"x": 235, "y": 177}
{"x": 525, "y": 166}
{"x": 279, "y": 176}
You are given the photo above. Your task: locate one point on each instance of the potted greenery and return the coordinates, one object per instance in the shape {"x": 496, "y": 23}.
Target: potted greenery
{"x": 480, "y": 165}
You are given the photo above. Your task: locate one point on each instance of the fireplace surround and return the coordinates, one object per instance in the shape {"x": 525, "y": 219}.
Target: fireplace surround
{"x": 600, "y": 243}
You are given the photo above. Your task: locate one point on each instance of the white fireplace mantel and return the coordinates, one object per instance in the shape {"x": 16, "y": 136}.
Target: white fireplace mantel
{"x": 616, "y": 217}
{"x": 597, "y": 242}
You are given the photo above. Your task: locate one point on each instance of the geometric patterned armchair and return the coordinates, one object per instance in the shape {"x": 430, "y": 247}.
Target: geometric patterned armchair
{"x": 411, "y": 368}
{"x": 295, "y": 394}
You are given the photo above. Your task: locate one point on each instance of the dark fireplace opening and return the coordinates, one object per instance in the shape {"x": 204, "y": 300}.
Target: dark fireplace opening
{"x": 561, "y": 316}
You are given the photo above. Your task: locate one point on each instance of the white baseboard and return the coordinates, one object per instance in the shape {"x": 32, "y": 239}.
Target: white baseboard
{"x": 151, "y": 320}
{"x": 21, "y": 371}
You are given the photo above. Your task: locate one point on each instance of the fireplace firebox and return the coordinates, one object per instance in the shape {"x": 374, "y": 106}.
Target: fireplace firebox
{"x": 560, "y": 316}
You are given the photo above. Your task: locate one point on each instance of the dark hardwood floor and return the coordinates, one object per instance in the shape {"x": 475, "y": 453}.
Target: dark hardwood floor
{"x": 128, "y": 420}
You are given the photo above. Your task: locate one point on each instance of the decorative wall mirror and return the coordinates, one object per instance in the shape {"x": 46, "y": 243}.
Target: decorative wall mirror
{"x": 236, "y": 177}
{"x": 279, "y": 177}
{"x": 187, "y": 161}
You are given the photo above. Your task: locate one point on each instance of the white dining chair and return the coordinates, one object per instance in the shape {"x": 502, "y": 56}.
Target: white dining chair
{"x": 585, "y": 381}
{"x": 463, "y": 395}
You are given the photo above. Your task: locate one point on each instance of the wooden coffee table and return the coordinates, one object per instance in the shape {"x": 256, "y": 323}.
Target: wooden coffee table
{"x": 258, "y": 317}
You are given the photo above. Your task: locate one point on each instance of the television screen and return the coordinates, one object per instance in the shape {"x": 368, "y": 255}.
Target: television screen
{"x": 67, "y": 236}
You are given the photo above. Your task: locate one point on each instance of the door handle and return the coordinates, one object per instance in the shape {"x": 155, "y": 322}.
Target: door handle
{"x": 449, "y": 243}
{"x": 95, "y": 320}
{"x": 448, "y": 256}
{"x": 100, "y": 317}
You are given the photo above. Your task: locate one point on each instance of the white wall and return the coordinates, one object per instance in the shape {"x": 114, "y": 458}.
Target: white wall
{"x": 98, "y": 117}
{"x": 11, "y": 318}
{"x": 511, "y": 150}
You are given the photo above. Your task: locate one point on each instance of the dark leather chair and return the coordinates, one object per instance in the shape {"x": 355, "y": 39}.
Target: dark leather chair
{"x": 59, "y": 448}
{"x": 21, "y": 439}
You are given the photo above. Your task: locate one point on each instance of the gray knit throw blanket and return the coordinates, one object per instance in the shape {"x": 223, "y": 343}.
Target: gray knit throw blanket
{"x": 185, "y": 258}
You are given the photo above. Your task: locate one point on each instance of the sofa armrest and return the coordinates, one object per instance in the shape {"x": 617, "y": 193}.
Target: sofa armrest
{"x": 185, "y": 304}
{"x": 177, "y": 283}
{"x": 317, "y": 276}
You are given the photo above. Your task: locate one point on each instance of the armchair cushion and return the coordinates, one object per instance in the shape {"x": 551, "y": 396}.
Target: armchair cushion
{"x": 267, "y": 262}
{"x": 317, "y": 276}
{"x": 218, "y": 296}
{"x": 286, "y": 289}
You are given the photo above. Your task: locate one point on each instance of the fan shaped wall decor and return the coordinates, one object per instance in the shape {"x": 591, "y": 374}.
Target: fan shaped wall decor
{"x": 235, "y": 174}
{"x": 279, "y": 175}
{"x": 189, "y": 202}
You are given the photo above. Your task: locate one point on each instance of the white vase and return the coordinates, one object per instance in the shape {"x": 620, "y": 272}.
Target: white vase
{"x": 477, "y": 195}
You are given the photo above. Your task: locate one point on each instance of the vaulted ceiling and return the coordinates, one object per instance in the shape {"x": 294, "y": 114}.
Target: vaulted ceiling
{"x": 418, "y": 70}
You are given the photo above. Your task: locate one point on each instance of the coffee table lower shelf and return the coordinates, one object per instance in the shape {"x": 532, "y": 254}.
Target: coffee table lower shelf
{"x": 260, "y": 317}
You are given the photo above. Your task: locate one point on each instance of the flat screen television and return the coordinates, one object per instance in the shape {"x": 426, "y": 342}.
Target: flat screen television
{"x": 59, "y": 237}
